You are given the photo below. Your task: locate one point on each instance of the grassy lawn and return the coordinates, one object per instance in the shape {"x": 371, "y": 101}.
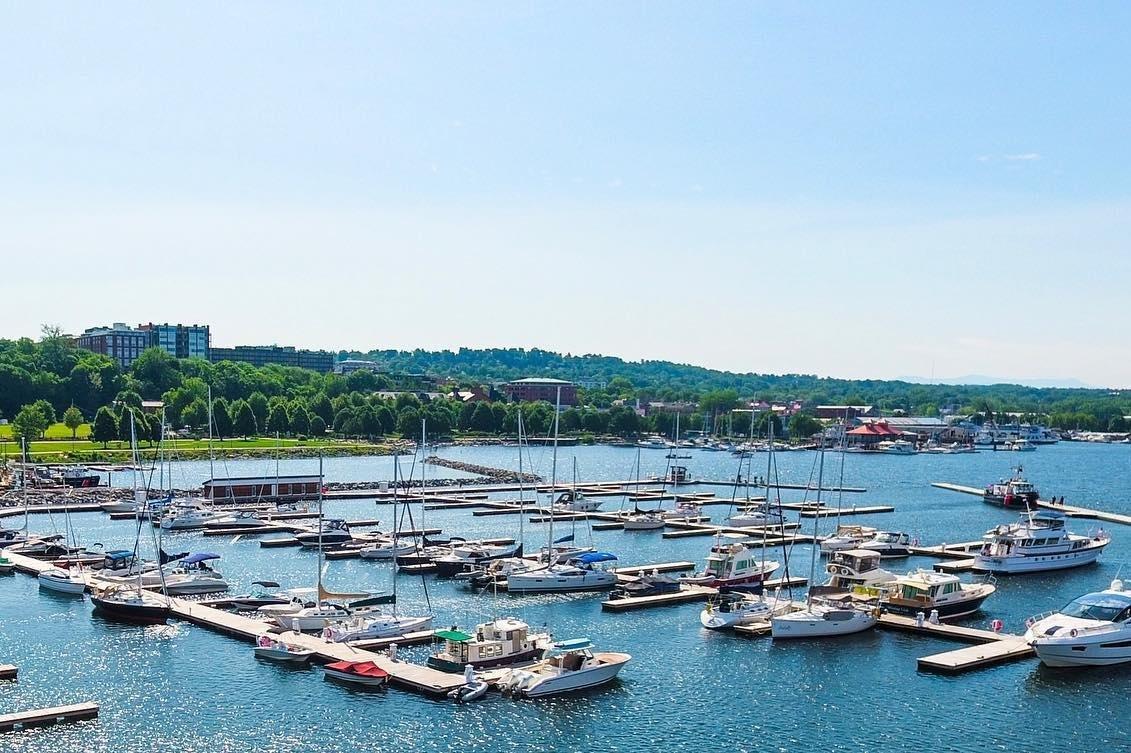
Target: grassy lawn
{"x": 48, "y": 449}
{"x": 55, "y": 431}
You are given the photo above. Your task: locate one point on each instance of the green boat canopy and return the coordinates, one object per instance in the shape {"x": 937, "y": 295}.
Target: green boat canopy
{"x": 453, "y": 635}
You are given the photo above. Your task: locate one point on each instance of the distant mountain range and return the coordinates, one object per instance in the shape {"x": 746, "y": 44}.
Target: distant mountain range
{"x": 983, "y": 380}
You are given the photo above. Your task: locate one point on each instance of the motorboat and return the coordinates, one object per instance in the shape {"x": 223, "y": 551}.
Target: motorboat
{"x": 647, "y": 584}
{"x": 356, "y": 673}
{"x": 571, "y": 666}
{"x": 929, "y": 592}
{"x": 239, "y": 519}
{"x": 896, "y": 447}
{"x": 472, "y": 554}
{"x": 193, "y": 575}
{"x": 131, "y": 604}
{"x": 821, "y": 620}
{"x": 573, "y": 500}
{"x": 43, "y": 547}
{"x": 79, "y": 477}
{"x": 313, "y": 618}
{"x": 732, "y": 565}
{"x": 889, "y": 544}
{"x": 733, "y": 608}
{"x": 473, "y": 688}
{"x": 855, "y": 571}
{"x": 386, "y": 549}
{"x": 62, "y": 581}
{"x": 371, "y": 628}
{"x": 847, "y": 536}
{"x": 642, "y": 520}
{"x": 191, "y": 518}
{"x": 329, "y": 533}
{"x": 1092, "y": 630}
{"x": 581, "y": 573}
{"x": 1039, "y": 542}
{"x": 653, "y": 443}
{"x": 7, "y": 567}
{"x": 1012, "y": 492}
{"x": 1020, "y": 445}
{"x": 498, "y": 643}
{"x": 757, "y": 516}
{"x": 284, "y": 602}
{"x": 274, "y": 649}
{"x": 263, "y": 593}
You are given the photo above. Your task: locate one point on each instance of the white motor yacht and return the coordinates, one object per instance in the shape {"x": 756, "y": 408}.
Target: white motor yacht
{"x": 855, "y": 570}
{"x": 1093, "y": 630}
{"x": 889, "y": 544}
{"x": 759, "y": 516}
{"x": 1039, "y": 542}
{"x": 896, "y": 447}
{"x": 847, "y": 536}
{"x": 574, "y": 501}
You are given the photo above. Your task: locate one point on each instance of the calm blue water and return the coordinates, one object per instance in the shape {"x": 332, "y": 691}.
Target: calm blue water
{"x": 183, "y": 687}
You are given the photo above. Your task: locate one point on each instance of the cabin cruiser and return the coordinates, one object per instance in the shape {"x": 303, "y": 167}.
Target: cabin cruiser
{"x": 847, "y": 536}
{"x": 928, "y": 591}
{"x": 1020, "y": 445}
{"x": 1093, "y": 630}
{"x": 653, "y": 443}
{"x": 574, "y": 501}
{"x": 821, "y": 620}
{"x": 889, "y": 544}
{"x": 371, "y": 628}
{"x": 471, "y": 554}
{"x": 572, "y": 665}
{"x": 497, "y": 643}
{"x": 1039, "y": 542}
{"x": 239, "y": 519}
{"x": 759, "y": 516}
{"x": 330, "y": 532}
{"x": 732, "y": 565}
{"x": 733, "y": 608}
{"x": 1014, "y": 492}
{"x": 855, "y": 570}
{"x": 79, "y": 477}
{"x": 179, "y": 518}
{"x": 126, "y": 505}
{"x": 580, "y": 573}
{"x": 896, "y": 447}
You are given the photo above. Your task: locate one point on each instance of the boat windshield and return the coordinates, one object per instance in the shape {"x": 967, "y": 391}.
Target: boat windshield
{"x": 1100, "y": 606}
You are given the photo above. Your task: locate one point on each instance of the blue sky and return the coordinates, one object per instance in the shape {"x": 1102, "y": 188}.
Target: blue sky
{"x": 850, "y": 189}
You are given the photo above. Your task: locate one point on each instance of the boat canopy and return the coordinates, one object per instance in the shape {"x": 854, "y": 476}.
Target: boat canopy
{"x": 573, "y": 644}
{"x": 588, "y": 558}
{"x": 453, "y": 635}
{"x": 119, "y": 554}
{"x": 193, "y": 559}
{"x": 564, "y": 539}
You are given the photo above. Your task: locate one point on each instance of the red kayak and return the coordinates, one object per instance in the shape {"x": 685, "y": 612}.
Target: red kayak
{"x": 358, "y": 672}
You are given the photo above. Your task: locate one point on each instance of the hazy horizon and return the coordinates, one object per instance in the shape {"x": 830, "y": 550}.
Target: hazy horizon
{"x": 848, "y": 191}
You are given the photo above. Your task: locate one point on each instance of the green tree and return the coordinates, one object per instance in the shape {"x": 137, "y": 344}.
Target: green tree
{"x": 258, "y": 403}
{"x": 29, "y": 424}
{"x": 278, "y": 422}
{"x": 72, "y": 419}
{"x": 803, "y": 425}
{"x": 129, "y": 398}
{"x": 408, "y": 421}
{"x": 243, "y": 419}
{"x": 195, "y": 414}
{"x": 105, "y": 428}
{"x": 483, "y": 418}
{"x": 317, "y": 426}
{"x": 221, "y": 418}
{"x": 320, "y": 406}
{"x": 157, "y": 371}
{"x": 387, "y": 418}
{"x": 47, "y": 410}
{"x": 124, "y": 423}
{"x": 300, "y": 419}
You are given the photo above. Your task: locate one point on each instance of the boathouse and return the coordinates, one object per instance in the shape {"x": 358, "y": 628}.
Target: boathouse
{"x": 263, "y": 488}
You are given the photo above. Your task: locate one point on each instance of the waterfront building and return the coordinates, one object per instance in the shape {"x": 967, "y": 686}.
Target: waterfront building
{"x": 119, "y": 341}
{"x": 262, "y": 355}
{"x": 180, "y": 340}
{"x": 535, "y": 389}
{"x": 350, "y": 365}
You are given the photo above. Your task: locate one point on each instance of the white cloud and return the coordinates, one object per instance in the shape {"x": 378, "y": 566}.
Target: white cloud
{"x": 1023, "y": 157}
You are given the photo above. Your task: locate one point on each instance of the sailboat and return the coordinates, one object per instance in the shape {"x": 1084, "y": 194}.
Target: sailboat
{"x": 756, "y": 515}
{"x": 642, "y": 520}
{"x": 572, "y": 500}
{"x": 820, "y": 618}
{"x": 582, "y": 572}
{"x": 387, "y": 548}
{"x": 132, "y": 603}
{"x": 62, "y": 580}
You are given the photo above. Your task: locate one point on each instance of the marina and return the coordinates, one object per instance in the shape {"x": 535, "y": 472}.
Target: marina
{"x": 676, "y": 549}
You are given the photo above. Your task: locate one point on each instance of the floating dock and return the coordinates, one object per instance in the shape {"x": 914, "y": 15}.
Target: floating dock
{"x": 836, "y": 512}
{"x": 1072, "y": 511}
{"x": 44, "y": 717}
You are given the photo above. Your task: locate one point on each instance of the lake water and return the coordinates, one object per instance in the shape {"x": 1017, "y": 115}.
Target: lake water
{"x": 184, "y": 688}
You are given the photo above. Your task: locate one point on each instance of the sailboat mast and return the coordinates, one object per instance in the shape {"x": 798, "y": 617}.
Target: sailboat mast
{"x": 396, "y": 540}
{"x": 816, "y": 519}
{"x": 521, "y": 501}
{"x": 423, "y": 482}
{"x": 211, "y": 454}
{"x": 553, "y": 474}
{"x": 23, "y": 480}
{"x": 321, "y": 520}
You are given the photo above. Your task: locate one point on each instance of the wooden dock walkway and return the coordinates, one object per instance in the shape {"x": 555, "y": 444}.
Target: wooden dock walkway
{"x": 43, "y": 717}
{"x": 833, "y": 512}
{"x": 960, "y": 660}
{"x": 1072, "y": 511}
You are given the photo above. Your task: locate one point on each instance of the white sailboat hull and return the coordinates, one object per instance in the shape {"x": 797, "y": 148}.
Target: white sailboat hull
{"x": 542, "y": 582}
{"x": 61, "y": 582}
{"x": 809, "y": 623}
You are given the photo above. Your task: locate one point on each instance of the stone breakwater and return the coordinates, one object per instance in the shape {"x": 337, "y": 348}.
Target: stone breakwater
{"x": 494, "y": 474}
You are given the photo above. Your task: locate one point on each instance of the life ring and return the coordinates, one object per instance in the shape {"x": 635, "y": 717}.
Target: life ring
{"x": 1074, "y": 632}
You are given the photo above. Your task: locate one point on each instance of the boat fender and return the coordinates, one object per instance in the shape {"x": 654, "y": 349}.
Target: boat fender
{"x": 1074, "y": 632}
{"x": 997, "y": 625}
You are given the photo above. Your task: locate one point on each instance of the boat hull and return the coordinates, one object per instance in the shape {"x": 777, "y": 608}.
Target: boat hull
{"x": 352, "y": 679}
{"x": 137, "y": 614}
{"x": 1038, "y": 563}
{"x": 552, "y": 583}
{"x": 948, "y": 611}
{"x": 806, "y": 625}
{"x": 571, "y": 682}
{"x": 1094, "y": 652}
{"x": 61, "y": 585}
{"x": 532, "y": 654}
